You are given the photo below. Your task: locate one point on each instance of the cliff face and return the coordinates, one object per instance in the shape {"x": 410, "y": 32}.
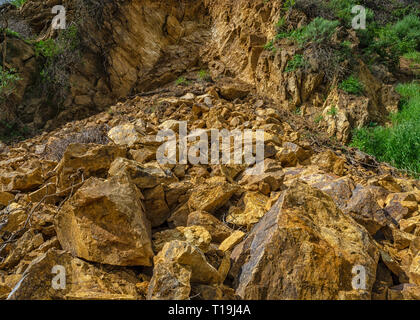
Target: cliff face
{"x": 89, "y": 195}
{"x": 129, "y": 47}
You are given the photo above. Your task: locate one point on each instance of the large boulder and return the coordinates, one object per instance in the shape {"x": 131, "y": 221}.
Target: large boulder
{"x": 178, "y": 265}
{"x": 304, "y": 248}
{"x": 105, "y": 222}
{"x": 81, "y": 161}
{"x": 81, "y": 280}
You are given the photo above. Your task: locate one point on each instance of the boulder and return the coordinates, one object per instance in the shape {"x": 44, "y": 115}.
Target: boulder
{"x": 211, "y": 196}
{"x": 125, "y": 135}
{"x": 254, "y": 208}
{"x": 218, "y": 230}
{"x": 303, "y": 248}
{"x": 82, "y": 280}
{"x": 144, "y": 177}
{"x": 105, "y": 222}
{"x": 195, "y": 235}
{"x": 81, "y": 161}
{"x": 178, "y": 265}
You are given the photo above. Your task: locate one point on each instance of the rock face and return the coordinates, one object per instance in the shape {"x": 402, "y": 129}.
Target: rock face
{"x": 303, "y": 248}
{"x": 105, "y": 222}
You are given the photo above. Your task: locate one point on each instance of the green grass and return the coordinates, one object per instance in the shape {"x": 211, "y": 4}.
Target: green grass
{"x": 181, "y": 81}
{"x": 352, "y": 85}
{"x": 414, "y": 56}
{"x": 297, "y": 62}
{"x": 398, "y": 144}
{"x": 18, "y": 3}
{"x": 8, "y": 80}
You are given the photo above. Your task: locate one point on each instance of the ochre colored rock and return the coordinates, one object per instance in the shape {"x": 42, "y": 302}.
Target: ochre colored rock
{"x": 176, "y": 266}
{"x": 302, "y": 242}
{"x": 229, "y": 243}
{"x": 105, "y": 222}
{"x": 81, "y": 161}
{"x": 142, "y": 176}
{"x": 195, "y": 235}
{"x": 218, "y": 230}
{"x": 211, "y": 196}
{"x": 82, "y": 280}
{"x": 124, "y": 135}
{"x": 254, "y": 209}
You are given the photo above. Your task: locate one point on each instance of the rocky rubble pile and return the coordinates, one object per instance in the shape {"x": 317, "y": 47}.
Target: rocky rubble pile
{"x": 124, "y": 226}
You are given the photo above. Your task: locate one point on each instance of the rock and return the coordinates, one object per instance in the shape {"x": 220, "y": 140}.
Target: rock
{"x": 364, "y": 208}
{"x": 303, "y": 248}
{"x": 211, "y": 196}
{"x": 23, "y": 179}
{"x": 194, "y": 235}
{"x": 125, "y": 135}
{"x": 229, "y": 243}
{"x": 254, "y": 182}
{"x": 47, "y": 190}
{"x": 290, "y": 154}
{"x": 340, "y": 190}
{"x": 231, "y": 91}
{"x": 330, "y": 162}
{"x": 105, "y": 222}
{"x": 405, "y": 291}
{"x": 253, "y": 211}
{"x": 144, "y": 155}
{"x": 157, "y": 210}
{"x": 81, "y": 161}
{"x": 14, "y": 219}
{"x": 83, "y": 280}
{"x": 5, "y": 198}
{"x": 28, "y": 242}
{"x": 176, "y": 266}
{"x": 414, "y": 272}
{"x": 143, "y": 177}
{"x": 218, "y": 230}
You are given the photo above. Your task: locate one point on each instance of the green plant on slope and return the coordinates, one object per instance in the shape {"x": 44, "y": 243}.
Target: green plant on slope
{"x": 18, "y": 3}
{"x": 398, "y": 144}
{"x": 352, "y": 85}
{"x": 297, "y": 62}
{"x": 8, "y": 80}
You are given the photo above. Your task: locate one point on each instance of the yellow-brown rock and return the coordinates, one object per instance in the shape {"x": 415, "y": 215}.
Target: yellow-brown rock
{"x": 124, "y": 135}
{"x": 218, "y": 230}
{"x": 303, "y": 241}
{"x": 83, "y": 280}
{"x": 254, "y": 209}
{"x": 195, "y": 235}
{"x": 176, "y": 266}
{"x": 211, "y": 196}
{"x": 229, "y": 243}
{"x": 105, "y": 222}
{"x": 81, "y": 161}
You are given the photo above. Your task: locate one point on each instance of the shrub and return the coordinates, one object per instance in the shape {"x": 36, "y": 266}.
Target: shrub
{"x": 204, "y": 75}
{"x": 8, "y": 80}
{"x": 59, "y": 55}
{"x": 181, "y": 81}
{"x": 296, "y": 63}
{"x": 414, "y": 56}
{"x": 398, "y": 144}
{"x": 318, "y": 30}
{"x": 18, "y": 3}
{"x": 352, "y": 85}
